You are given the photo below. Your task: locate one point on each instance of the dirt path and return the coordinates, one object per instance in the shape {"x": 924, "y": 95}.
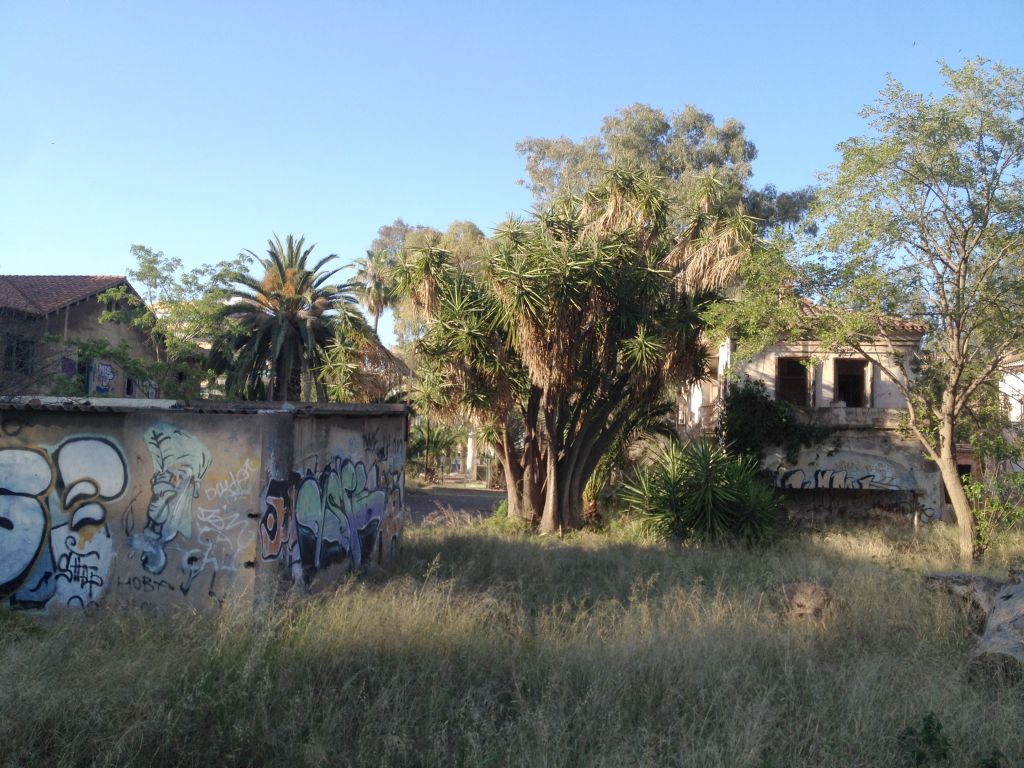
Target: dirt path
{"x": 422, "y": 501}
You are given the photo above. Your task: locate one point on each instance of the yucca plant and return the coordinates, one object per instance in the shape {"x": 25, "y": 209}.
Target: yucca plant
{"x": 699, "y": 490}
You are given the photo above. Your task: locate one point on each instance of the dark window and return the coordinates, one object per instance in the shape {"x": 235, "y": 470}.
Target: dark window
{"x": 129, "y": 387}
{"x": 791, "y": 381}
{"x": 965, "y": 472}
{"x": 851, "y": 376}
{"x": 19, "y": 354}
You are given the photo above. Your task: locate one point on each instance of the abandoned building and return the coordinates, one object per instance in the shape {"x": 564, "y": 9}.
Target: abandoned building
{"x": 865, "y": 463}
{"x": 40, "y": 318}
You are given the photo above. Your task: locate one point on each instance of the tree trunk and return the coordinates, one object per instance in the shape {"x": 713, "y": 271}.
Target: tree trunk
{"x": 550, "y": 519}
{"x": 533, "y": 492}
{"x": 961, "y": 508}
{"x": 998, "y": 612}
{"x": 513, "y": 476}
{"x": 951, "y": 478}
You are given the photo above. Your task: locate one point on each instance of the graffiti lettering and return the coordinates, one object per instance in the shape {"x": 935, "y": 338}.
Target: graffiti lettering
{"x": 238, "y": 484}
{"x": 54, "y": 538}
{"x": 146, "y": 584}
{"x": 336, "y": 516}
{"x": 81, "y": 569}
{"x": 104, "y": 378}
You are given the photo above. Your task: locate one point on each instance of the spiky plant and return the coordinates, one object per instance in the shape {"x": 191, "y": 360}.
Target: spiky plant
{"x": 700, "y": 491}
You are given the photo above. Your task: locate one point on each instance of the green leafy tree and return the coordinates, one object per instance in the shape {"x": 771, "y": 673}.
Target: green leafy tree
{"x": 574, "y": 322}
{"x": 355, "y": 366}
{"x": 683, "y": 147}
{"x": 923, "y": 218}
{"x": 178, "y": 310}
{"x": 285, "y": 319}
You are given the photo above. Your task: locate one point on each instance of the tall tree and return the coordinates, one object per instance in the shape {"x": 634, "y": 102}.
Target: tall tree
{"x": 683, "y": 147}
{"x": 372, "y": 283}
{"x": 575, "y": 323}
{"x": 284, "y": 322}
{"x": 923, "y": 218}
{"x": 179, "y": 309}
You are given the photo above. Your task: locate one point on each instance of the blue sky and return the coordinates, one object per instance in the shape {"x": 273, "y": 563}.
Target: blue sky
{"x": 200, "y": 128}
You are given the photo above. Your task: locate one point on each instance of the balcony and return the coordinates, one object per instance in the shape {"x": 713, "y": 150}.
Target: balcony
{"x": 854, "y": 418}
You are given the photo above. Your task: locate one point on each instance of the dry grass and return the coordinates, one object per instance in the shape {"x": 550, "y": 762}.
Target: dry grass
{"x": 493, "y": 648}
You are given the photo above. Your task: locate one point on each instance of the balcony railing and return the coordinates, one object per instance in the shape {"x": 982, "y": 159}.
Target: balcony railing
{"x": 857, "y": 418}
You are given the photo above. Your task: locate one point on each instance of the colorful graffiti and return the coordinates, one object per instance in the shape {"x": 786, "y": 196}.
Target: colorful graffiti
{"x": 180, "y": 461}
{"x": 338, "y": 515}
{"x": 104, "y": 378}
{"x": 55, "y": 543}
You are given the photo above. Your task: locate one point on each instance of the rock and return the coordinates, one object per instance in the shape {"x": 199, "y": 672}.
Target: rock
{"x": 805, "y": 599}
{"x": 998, "y": 612}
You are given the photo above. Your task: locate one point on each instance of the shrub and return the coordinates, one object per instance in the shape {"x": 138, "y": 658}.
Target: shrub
{"x": 996, "y": 507}
{"x": 924, "y": 745}
{"x": 753, "y": 421}
{"x": 701, "y": 491}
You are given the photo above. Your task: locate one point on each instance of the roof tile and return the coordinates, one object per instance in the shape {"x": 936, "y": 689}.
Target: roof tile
{"x": 42, "y": 294}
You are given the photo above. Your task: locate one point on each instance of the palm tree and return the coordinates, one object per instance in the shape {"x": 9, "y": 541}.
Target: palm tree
{"x": 373, "y": 284}
{"x": 283, "y": 321}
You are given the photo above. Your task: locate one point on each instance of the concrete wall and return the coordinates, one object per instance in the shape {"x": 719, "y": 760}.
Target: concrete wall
{"x": 158, "y": 505}
{"x": 861, "y": 455}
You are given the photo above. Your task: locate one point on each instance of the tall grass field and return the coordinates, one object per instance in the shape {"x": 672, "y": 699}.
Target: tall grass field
{"x": 485, "y": 647}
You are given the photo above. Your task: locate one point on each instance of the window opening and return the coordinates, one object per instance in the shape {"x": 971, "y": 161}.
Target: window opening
{"x": 791, "y": 381}
{"x": 851, "y": 381}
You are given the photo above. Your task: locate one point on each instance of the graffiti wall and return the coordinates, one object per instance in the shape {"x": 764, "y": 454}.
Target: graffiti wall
{"x": 152, "y": 506}
{"x": 339, "y": 502}
{"x": 863, "y": 460}
{"x": 55, "y": 536}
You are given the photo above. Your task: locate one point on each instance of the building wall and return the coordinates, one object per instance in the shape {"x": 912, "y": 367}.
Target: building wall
{"x": 56, "y": 361}
{"x": 884, "y": 392}
{"x": 865, "y": 457}
{"x": 335, "y": 499}
{"x": 155, "y": 506}
{"x": 861, "y": 458}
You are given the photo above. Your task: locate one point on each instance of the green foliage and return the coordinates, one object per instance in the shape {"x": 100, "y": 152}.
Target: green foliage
{"x": 373, "y": 282}
{"x": 573, "y": 323}
{"x": 997, "y": 504}
{"x": 923, "y": 220}
{"x": 284, "y": 319}
{"x": 432, "y": 447}
{"x": 699, "y": 491}
{"x": 172, "y": 379}
{"x": 680, "y": 147}
{"x": 642, "y": 428}
{"x": 994, "y": 759}
{"x": 754, "y": 421}
{"x": 926, "y": 744}
{"x": 763, "y": 308}
{"x": 179, "y": 310}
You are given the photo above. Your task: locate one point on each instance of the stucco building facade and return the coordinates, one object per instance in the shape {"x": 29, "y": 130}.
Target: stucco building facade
{"x": 40, "y": 317}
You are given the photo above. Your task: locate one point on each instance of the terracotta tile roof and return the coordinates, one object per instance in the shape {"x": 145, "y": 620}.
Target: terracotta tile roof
{"x": 811, "y": 310}
{"x": 43, "y": 294}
